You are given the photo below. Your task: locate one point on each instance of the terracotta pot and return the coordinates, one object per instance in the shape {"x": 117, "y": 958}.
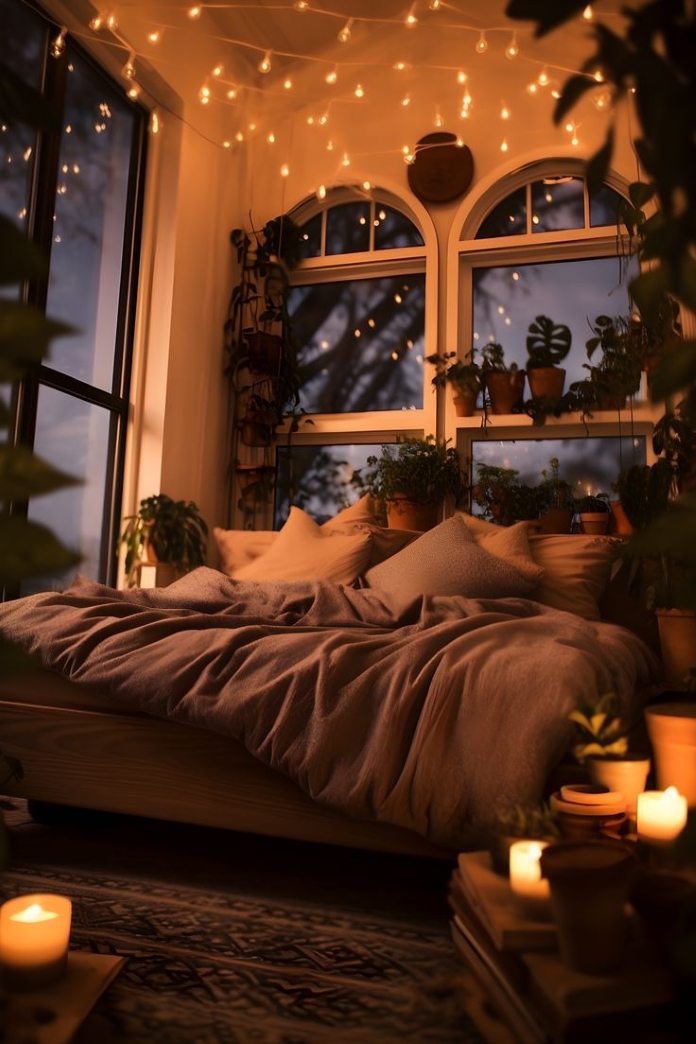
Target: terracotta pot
{"x": 627, "y": 776}
{"x": 677, "y": 631}
{"x": 403, "y": 513}
{"x": 672, "y": 733}
{"x": 590, "y": 882}
{"x": 618, "y": 519}
{"x": 505, "y": 390}
{"x": 555, "y": 520}
{"x": 546, "y": 382}
{"x": 464, "y": 397}
{"x": 593, "y": 521}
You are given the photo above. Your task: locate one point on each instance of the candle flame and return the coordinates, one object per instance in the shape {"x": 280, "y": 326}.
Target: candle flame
{"x": 671, "y": 794}
{"x": 32, "y": 913}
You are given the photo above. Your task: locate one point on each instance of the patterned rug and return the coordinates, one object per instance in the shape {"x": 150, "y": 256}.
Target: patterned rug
{"x": 208, "y": 966}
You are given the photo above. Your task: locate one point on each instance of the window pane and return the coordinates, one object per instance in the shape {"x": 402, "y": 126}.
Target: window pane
{"x": 589, "y": 464}
{"x": 348, "y": 228}
{"x": 394, "y": 230}
{"x": 318, "y": 479}
{"x": 361, "y": 344}
{"x": 73, "y": 436}
{"x": 23, "y": 42}
{"x": 508, "y": 298}
{"x": 605, "y": 207}
{"x": 557, "y": 204}
{"x": 310, "y": 240}
{"x": 91, "y": 202}
{"x": 509, "y": 218}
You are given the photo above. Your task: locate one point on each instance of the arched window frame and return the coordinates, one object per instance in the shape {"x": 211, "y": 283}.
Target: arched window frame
{"x": 465, "y": 253}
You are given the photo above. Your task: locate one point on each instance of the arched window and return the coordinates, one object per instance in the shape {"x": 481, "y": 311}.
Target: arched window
{"x": 539, "y": 245}
{"x": 358, "y": 306}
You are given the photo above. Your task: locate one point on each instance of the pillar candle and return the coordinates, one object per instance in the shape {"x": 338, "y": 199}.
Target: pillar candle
{"x": 530, "y": 888}
{"x": 662, "y": 814}
{"x": 34, "y": 935}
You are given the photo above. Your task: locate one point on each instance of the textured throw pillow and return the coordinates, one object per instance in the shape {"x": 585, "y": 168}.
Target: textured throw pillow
{"x": 447, "y": 561}
{"x": 576, "y": 571}
{"x": 238, "y": 547}
{"x": 510, "y": 543}
{"x": 302, "y": 551}
{"x": 359, "y": 513}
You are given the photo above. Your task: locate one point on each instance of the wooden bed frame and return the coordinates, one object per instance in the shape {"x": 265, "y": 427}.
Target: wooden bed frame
{"x": 77, "y": 749}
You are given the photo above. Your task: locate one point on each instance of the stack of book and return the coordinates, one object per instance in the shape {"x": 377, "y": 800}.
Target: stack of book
{"x": 516, "y": 961}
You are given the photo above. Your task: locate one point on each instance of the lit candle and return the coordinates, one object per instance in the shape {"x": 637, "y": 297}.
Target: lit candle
{"x": 662, "y": 814}
{"x": 530, "y": 888}
{"x": 34, "y": 935}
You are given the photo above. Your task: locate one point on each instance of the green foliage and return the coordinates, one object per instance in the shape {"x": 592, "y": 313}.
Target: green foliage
{"x": 599, "y": 729}
{"x": 548, "y": 343}
{"x": 464, "y": 374}
{"x": 667, "y": 544}
{"x": 173, "y": 529}
{"x": 493, "y": 359}
{"x": 423, "y": 470}
{"x": 506, "y": 501}
{"x": 535, "y": 822}
{"x": 592, "y": 504}
{"x": 556, "y": 491}
{"x": 644, "y": 491}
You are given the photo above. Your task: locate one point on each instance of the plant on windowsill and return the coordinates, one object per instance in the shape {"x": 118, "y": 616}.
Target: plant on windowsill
{"x": 548, "y": 343}
{"x": 504, "y": 385}
{"x": 412, "y": 478}
{"x": 504, "y": 499}
{"x": 560, "y": 498}
{"x": 592, "y": 512}
{"x": 164, "y": 532}
{"x": 464, "y": 377}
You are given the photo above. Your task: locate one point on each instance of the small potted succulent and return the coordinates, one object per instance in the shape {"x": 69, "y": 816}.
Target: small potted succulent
{"x": 464, "y": 377}
{"x": 412, "y": 478}
{"x": 164, "y": 532}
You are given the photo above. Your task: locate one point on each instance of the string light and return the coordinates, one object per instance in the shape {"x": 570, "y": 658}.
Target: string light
{"x": 345, "y": 162}
{"x": 401, "y": 66}
{"x": 112, "y": 22}
{"x": 218, "y": 70}
{"x": 482, "y": 43}
{"x": 543, "y": 78}
{"x": 504, "y": 112}
{"x": 264, "y": 65}
{"x": 133, "y": 92}
{"x": 239, "y": 136}
{"x": 155, "y": 36}
{"x": 301, "y": 5}
{"x": 434, "y": 5}
{"x": 271, "y": 138}
{"x": 193, "y": 13}
{"x": 406, "y": 100}
{"x": 411, "y": 19}
{"x": 359, "y": 91}
{"x": 588, "y": 13}
{"x": 461, "y": 76}
{"x": 532, "y": 88}
{"x": 96, "y": 23}
{"x": 128, "y": 69}
{"x": 321, "y": 192}
{"x": 512, "y": 49}
{"x": 504, "y": 145}
{"x": 57, "y": 47}
{"x": 154, "y": 123}
{"x": 287, "y": 84}
{"x": 232, "y": 93}
{"x": 204, "y": 94}
{"x": 438, "y": 121}
{"x": 284, "y": 171}
{"x": 331, "y": 77}
{"x": 227, "y": 144}
{"x": 344, "y": 35}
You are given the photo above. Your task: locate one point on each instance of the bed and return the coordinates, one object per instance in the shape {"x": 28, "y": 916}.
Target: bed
{"x": 339, "y": 683}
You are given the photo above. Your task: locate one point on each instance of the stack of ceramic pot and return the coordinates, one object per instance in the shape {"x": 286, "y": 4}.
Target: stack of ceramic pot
{"x": 587, "y": 810}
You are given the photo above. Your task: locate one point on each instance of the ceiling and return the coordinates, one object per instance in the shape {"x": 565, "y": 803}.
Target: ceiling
{"x": 212, "y": 61}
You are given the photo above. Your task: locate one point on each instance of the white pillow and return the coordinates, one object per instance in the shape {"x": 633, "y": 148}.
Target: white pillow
{"x": 508, "y": 542}
{"x": 447, "y": 561}
{"x": 359, "y": 513}
{"x": 303, "y": 551}
{"x": 576, "y": 571}
{"x": 238, "y": 547}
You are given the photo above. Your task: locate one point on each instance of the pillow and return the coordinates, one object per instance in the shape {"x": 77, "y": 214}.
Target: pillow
{"x": 576, "y": 571}
{"x": 447, "y": 561}
{"x": 362, "y": 511}
{"x": 508, "y": 542}
{"x": 238, "y": 547}
{"x": 362, "y": 517}
{"x": 302, "y": 551}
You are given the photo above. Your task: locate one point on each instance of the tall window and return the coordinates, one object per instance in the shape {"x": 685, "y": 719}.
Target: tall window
{"x": 358, "y": 309}
{"x": 78, "y": 195}
{"x": 547, "y": 248}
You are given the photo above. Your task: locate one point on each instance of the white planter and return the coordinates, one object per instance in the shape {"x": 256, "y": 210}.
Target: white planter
{"x": 627, "y": 776}
{"x": 672, "y": 732}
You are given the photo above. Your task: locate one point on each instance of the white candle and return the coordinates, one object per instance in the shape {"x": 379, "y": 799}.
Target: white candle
{"x": 662, "y": 814}
{"x": 34, "y": 935}
{"x": 531, "y": 889}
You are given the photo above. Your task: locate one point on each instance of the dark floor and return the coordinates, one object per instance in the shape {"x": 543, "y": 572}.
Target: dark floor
{"x": 407, "y": 887}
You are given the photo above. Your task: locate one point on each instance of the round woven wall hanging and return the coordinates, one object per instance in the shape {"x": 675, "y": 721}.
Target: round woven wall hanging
{"x": 441, "y": 169}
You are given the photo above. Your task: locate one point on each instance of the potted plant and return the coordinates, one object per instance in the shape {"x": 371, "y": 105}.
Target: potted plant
{"x": 548, "y": 344}
{"x": 164, "y": 532}
{"x": 464, "y": 377}
{"x": 261, "y": 364}
{"x": 504, "y": 385}
{"x": 617, "y": 374}
{"x": 558, "y": 497}
{"x": 492, "y": 491}
{"x": 412, "y": 478}
{"x": 601, "y": 744}
{"x": 592, "y": 512}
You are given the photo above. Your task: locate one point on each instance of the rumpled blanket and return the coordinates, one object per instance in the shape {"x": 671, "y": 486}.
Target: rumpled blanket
{"x": 427, "y": 712}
